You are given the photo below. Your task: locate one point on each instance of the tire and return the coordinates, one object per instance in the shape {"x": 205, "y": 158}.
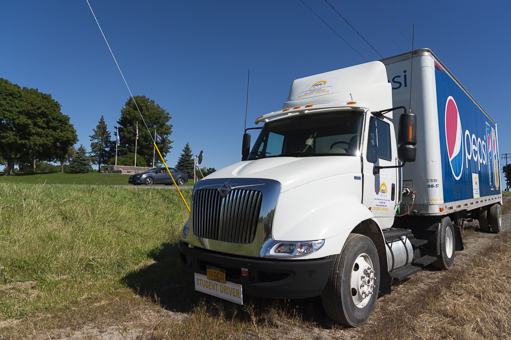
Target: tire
{"x": 496, "y": 218}
{"x": 352, "y": 289}
{"x": 483, "y": 221}
{"x": 149, "y": 181}
{"x": 180, "y": 181}
{"x": 447, "y": 245}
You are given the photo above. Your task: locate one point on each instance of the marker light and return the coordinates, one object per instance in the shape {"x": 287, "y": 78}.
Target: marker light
{"x": 285, "y": 110}
{"x": 309, "y": 105}
{"x": 351, "y": 103}
{"x": 296, "y": 107}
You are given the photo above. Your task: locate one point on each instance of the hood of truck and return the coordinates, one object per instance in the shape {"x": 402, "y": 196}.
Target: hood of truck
{"x": 291, "y": 172}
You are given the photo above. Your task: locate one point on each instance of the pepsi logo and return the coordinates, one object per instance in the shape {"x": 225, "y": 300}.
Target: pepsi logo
{"x": 454, "y": 137}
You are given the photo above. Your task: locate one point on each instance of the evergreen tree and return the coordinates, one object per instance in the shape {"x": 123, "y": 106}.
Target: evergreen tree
{"x": 80, "y": 162}
{"x": 155, "y": 118}
{"x": 185, "y": 161}
{"x": 101, "y": 145}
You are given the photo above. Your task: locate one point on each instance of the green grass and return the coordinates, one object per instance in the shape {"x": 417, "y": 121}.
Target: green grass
{"x": 62, "y": 244}
{"x": 91, "y": 178}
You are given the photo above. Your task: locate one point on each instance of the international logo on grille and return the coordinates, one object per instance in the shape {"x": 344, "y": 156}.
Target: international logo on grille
{"x": 224, "y": 189}
{"x": 454, "y": 137}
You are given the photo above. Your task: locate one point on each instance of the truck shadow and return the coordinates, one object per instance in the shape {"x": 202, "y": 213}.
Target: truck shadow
{"x": 165, "y": 284}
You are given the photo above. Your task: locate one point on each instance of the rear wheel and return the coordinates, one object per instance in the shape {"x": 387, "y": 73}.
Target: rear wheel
{"x": 352, "y": 289}
{"x": 483, "y": 221}
{"x": 447, "y": 245}
{"x": 180, "y": 181}
{"x": 496, "y": 218}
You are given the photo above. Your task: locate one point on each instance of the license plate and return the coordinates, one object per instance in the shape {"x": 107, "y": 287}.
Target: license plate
{"x": 224, "y": 290}
{"x": 215, "y": 274}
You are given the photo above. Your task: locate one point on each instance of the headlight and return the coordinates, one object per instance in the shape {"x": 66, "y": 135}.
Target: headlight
{"x": 288, "y": 249}
{"x": 185, "y": 229}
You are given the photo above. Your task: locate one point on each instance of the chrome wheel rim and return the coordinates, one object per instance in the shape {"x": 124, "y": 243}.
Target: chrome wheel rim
{"x": 363, "y": 280}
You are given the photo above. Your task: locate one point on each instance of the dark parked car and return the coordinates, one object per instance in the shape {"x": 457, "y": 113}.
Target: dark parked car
{"x": 159, "y": 176}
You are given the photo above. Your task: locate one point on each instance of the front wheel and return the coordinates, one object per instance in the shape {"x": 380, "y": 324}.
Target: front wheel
{"x": 447, "y": 245}
{"x": 352, "y": 289}
{"x": 149, "y": 181}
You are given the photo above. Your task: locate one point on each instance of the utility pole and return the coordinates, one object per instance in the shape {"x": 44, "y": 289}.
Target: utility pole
{"x": 505, "y": 155}
{"x": 154, "y": 147}
{"x": 117, "y": 142}
{"x": 136, "y": 140}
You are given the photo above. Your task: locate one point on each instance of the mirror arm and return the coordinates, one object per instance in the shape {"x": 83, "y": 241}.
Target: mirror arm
{"x": 376, "y": 169}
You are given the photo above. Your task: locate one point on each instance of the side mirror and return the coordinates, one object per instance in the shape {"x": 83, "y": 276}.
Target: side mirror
{"x": 407, "y": 138}
{"x": 245, "y": 149}
{"x": 201, "y": 155}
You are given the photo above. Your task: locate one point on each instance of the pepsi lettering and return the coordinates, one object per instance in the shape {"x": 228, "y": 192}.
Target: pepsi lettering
{"x": 399, "y": 81}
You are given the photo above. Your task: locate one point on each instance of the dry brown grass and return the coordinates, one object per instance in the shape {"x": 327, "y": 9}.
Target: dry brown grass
{"x": 471, "y": 301}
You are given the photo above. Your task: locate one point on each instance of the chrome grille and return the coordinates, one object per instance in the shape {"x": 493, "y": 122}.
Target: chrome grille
{"x": 232, "y": 218}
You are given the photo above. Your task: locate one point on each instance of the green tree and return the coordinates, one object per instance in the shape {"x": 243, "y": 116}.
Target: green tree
{"x": 507, "y": 173}
{"x": 185, "y": 161}
{"x": 32, "y": 127}
{"x": 205, "y": 171}
{"x": 80, "y": 162}
{"x": 128, "y": 160}
{"x": 101, "y": 145}
{"x": 71, "y": 152}
{"x": 155, "y": 118}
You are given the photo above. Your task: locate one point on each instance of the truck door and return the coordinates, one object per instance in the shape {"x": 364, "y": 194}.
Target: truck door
{"x": 381, "y": 194}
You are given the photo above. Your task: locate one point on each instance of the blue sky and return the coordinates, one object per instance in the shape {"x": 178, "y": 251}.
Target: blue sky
{"x": 192, "y": 57}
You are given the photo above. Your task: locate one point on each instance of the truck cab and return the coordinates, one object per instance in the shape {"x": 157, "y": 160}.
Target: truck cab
{"x": 322, "y": 175}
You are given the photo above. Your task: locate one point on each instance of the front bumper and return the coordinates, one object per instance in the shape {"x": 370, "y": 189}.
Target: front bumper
{"x": 135, "y": 181}
{"x": 278, "y": 279}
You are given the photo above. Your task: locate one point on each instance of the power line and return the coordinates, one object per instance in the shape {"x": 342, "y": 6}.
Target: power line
{"x": 394, "y": 22}
{"x": 353, "y": 27}
{"x": 333, "y": 30}
{"x": 380, "y": 26}
{"x": 119, "y": 68}
{"x": 136, "y": 105}
{"x": 360, "y": 28}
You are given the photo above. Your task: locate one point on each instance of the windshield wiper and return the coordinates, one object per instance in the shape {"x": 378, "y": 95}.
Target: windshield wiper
{"x": 300, "y": 154}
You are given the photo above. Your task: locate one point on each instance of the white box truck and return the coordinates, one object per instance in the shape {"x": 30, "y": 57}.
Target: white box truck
{"x": 336, "y": 200}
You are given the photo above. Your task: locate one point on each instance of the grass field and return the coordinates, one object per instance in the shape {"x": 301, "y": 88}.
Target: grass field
{"x": 63, "y": 244}
{"x": 91, "y": 178}
{"x": 72, "y": 256}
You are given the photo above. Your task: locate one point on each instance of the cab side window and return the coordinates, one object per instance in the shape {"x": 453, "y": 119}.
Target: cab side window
{"x": 384, "y": 150}
{"x": 378, "y": 145}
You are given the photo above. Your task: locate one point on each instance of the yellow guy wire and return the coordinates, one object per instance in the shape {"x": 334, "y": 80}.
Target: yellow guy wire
{"x": 168, "y": 171}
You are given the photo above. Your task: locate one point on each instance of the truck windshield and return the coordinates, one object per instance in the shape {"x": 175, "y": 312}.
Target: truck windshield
{"x": 314, "y": 134}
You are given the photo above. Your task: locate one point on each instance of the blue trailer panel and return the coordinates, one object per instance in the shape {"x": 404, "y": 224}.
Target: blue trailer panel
{"x": 468, "y": 143}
